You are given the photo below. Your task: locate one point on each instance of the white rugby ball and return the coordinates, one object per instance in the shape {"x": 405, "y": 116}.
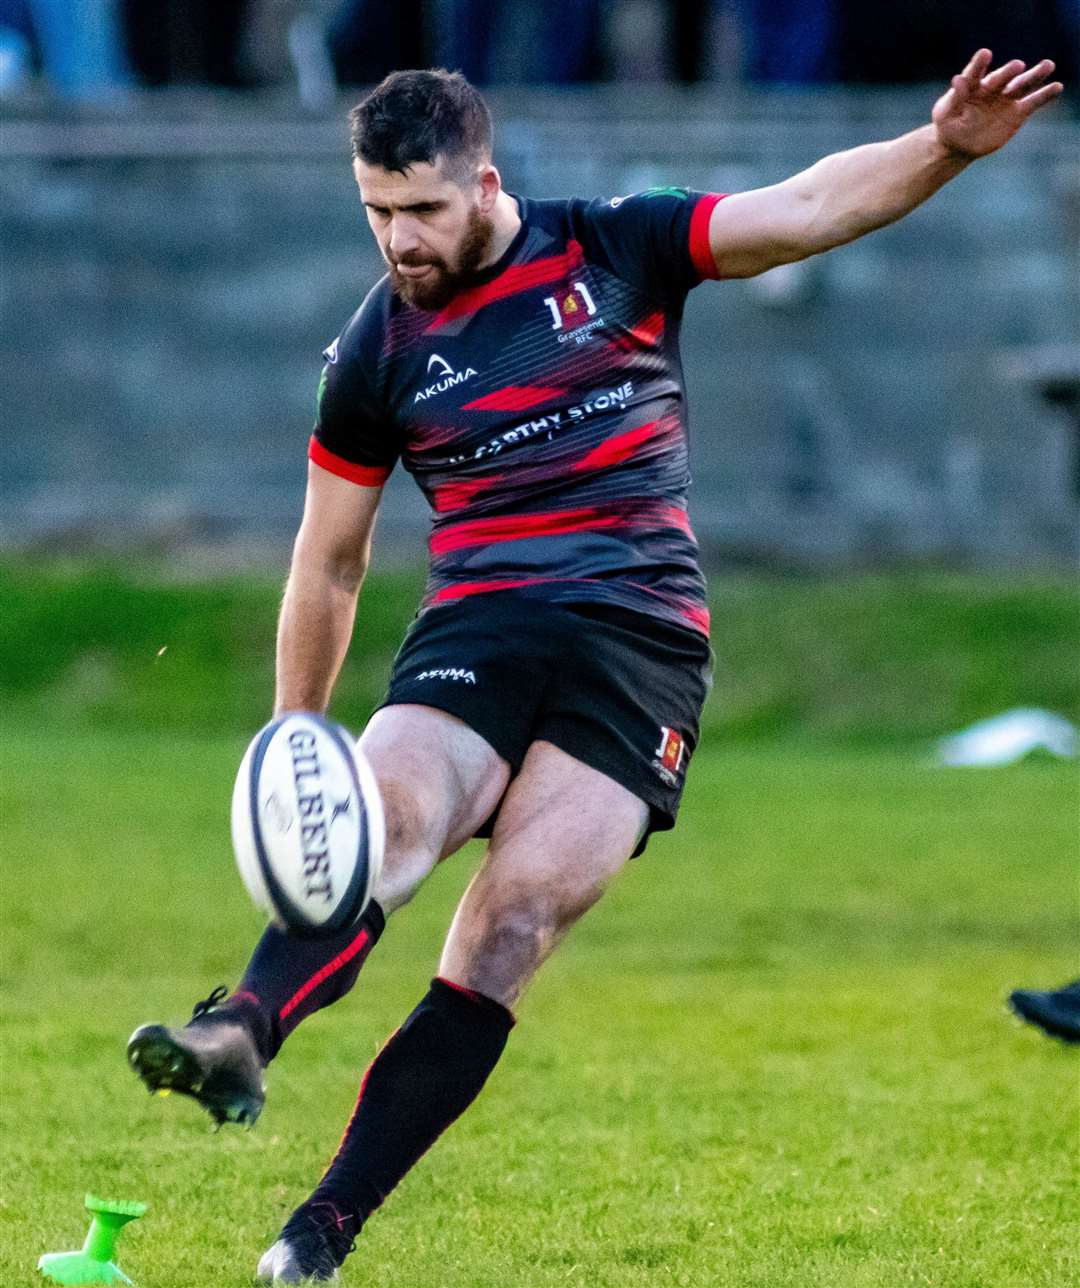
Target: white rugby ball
{"x": 307, "y": 825}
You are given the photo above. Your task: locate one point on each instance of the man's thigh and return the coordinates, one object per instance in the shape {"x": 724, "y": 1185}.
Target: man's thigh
{"x": 628, "y": 703}
{"x": 563, "y": 831}
{"x": 438, "y": 779}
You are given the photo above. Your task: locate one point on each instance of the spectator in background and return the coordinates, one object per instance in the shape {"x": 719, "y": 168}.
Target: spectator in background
{"x": 18, "y": 47}
{"x": 919, "y": 40}
{"x": 689, "y": 35}
{"x": 549, "y": 42}
{"x": 793, "y": 41}
{"x": 80, "y": 44}
{"x": 187, "y": 41}
{"x": 369, "y": 39}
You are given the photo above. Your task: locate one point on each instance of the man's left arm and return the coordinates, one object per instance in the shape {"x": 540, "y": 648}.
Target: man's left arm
{"x": 849, "y": 194}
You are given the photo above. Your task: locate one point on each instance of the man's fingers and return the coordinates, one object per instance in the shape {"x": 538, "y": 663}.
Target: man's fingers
{"x": 1041, "y": 97}
{"x": 1030, "y": 80}
{"x": 1000, "y": 78}
{"x": 974, "y": 60}
{"x": 977, "y": 67}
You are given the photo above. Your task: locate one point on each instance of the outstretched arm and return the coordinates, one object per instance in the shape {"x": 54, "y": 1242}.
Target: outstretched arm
{"x": 329, "y": 561}
{"x": 851, "y": 193}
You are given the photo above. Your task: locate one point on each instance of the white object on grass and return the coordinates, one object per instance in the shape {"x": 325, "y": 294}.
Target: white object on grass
{"x": 1009, "y": 737}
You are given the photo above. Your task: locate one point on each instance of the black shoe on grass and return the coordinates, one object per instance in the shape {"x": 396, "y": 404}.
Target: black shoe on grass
{"x": 1056, "y": 1012}
{"x": 215, "y": 1061}
{"x": 315, "y": 1240}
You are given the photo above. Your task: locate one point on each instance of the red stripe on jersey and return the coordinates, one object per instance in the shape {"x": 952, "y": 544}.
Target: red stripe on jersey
{"x": 694, "y": 615}
{"x": 514, "y": 398}
{"x": 482, "y": 532}
{"x": 698, "y": 617}
{"x": 700, "y": 249}
{"x": 365, "y": 475}
{"x": 619, "y": 448}
{"x": 453, "y": 496}
{"x": 464, "y": 588}
{"x": 675, "y": 517}
{"x": 643, "y": 336}
{"x": 520, "y": 277}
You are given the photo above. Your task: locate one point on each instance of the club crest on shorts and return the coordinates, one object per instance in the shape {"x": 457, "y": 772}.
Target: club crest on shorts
{"x": 669, "y": 755}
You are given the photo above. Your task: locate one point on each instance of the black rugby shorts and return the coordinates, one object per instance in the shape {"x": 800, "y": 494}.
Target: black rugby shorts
{"x": 618, "y": 690}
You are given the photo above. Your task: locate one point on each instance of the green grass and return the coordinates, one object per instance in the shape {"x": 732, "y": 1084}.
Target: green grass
{"x": 775, "y": 1056}
{"x": 868, "y": 659}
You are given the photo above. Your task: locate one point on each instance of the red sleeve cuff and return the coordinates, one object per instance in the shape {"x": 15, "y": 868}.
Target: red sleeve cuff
{"x": 365, "y": 475}
{"x": 700, "y": 250}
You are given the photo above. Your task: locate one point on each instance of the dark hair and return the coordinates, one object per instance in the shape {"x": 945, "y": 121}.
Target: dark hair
{"x": 418, "y": 116}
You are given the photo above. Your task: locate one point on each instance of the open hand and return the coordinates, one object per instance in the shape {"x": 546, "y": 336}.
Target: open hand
{"x": 983, "y": 109}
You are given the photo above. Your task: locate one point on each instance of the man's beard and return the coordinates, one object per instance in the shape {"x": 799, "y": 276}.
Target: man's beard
{"x": 439, "y": 286}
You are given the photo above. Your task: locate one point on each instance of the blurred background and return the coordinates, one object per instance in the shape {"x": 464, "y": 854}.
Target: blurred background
{"x": 182, "y": 236}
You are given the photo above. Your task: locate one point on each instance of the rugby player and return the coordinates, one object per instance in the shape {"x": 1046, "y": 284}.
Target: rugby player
{"x": 521, "y": 359}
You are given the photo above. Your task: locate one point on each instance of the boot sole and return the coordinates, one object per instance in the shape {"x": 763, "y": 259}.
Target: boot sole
{"x": 167, "y": 1065}
{"x": 1044, "y": 1018}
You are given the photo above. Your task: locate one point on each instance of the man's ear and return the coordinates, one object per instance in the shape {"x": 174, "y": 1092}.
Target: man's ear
{"x": 490, "y": 186}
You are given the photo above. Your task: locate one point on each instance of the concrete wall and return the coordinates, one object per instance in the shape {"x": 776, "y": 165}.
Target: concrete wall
{"x": 171, "y": 276}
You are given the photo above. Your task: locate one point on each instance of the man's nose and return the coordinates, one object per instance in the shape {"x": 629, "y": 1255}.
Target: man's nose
{"x": 403, "y": 238}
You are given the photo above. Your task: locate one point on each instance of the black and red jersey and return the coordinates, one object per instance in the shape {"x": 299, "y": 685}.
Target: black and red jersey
{"x": 542, "y": 411}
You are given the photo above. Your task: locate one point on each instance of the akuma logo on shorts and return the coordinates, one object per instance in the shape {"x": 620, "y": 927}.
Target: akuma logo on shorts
{"x": 448, "y": 673}
{"x": 448, "y": 378}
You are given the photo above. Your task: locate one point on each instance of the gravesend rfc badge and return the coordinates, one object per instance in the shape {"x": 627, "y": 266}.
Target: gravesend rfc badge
{"x": 669, "y": 756}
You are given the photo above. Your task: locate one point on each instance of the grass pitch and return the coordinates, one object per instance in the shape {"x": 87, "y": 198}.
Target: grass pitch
{"x": 775, "y": 1055}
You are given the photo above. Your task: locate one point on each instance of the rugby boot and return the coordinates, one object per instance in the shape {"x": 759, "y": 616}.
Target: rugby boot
{"x": 212, "y": 1059}
{"x": 1056, "y": 1011}
{"x": 314, "y": 1241}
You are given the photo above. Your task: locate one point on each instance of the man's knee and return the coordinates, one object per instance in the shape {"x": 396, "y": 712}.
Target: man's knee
{"x": 517, "y": 926}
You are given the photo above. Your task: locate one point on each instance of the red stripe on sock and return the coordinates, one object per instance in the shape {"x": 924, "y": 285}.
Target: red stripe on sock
{"x": 332, "y": 967}
{"x": 471, "y": 994}
{"x": 481, "y": 999}
{"x": 356, "y": 1107}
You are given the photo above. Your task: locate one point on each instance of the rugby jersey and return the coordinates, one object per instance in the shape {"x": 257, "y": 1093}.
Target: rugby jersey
{"x": 542, "y": 411}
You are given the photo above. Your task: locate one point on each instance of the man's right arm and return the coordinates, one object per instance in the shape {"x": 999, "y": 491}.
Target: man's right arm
{"x": 329, "y": 561}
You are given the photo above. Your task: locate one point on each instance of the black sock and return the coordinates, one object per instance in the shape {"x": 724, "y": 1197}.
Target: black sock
{"x": 428, "y": 1074}
{"x": 288, "y": 979}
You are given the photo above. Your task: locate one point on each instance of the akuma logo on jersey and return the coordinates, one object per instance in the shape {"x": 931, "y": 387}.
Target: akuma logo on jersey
{"x": 448, "y": 378}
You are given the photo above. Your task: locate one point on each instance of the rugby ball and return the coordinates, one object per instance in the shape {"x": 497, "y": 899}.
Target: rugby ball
{"x": 307, "y": 825}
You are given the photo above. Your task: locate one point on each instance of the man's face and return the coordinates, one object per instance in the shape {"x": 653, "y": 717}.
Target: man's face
{"x": 432, "y": 231}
